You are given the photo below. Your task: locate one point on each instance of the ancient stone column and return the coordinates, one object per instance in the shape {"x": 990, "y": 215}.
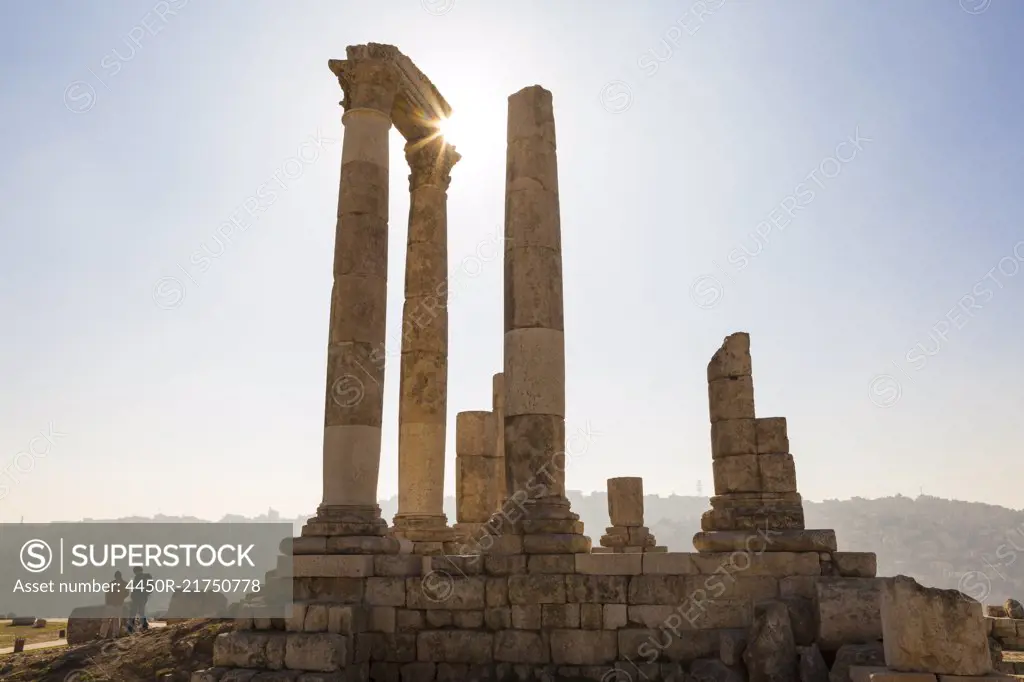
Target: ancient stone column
{"x": 355, "y": 350}
{"x": 423, "y": 390}
{"x": 534, "y": 340}
{"x": 627, "y": 534}
{"x": 498, "y": 407}
{"x": 479, "y": 474}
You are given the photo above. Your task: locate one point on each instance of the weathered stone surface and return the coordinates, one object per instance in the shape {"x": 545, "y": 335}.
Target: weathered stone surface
{"x": 736, "y": 474}
{"x": 849, "y": 611}
{"x": 664, "y": 646}
{"x": 1013, "y": 609}
{"x": 241, "y": 649}
{"x": 796, "y": 540}
{"x": 519, "y": 646}
{"x": 733, "y": 437}
{"x": 856, "y": 564}
{"x": 771, "y": 435}
{"x": 731, "y": 398}
{"x": 770, "y": 655}
{"x": 626, "y": 501}
{"x": 317, "y": 652}
{"x": 455, "y": 646}
{"x": 932, "y": 630}
{"x": 711, "y": 670}
{"x": 855, "y": 654}
{"x": 609, "y": 564}
{"x": 732, "y": 359}
{"x": 777, "y": 473}
{"x": 731, "y": 645}
{"x": 583, "y": 647}
{"x": 536, "y": 589}
{"x": 812, "y": 666}
{"x": 597, "y": 589}
{"x": 863, "y": 673}
{"x": 803, "y": 619}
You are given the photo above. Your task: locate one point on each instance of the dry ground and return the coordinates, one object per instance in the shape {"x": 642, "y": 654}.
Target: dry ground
{"x": 8, "y": 632}
{"x": 142, "y": 657}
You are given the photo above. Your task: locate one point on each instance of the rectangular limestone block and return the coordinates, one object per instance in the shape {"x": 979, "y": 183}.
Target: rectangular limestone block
{"x": 737, "y": 474}
{"x": 758, "y": 563}
{"x": 328, "y": 565}
{"x": 856, "y": 564}
{"x": 731, "y": 399}
{"x": 609, "y": 564}
{"x": 635, "y": 643}
{"x": 583, "y": 647}
{"x": 597, "y": 589}
{"x": 849, "y": 611}
{"x": 669, "y": 563}
{"x": 454, "y": 646}
{"x": 474, "y": 434}
{"x": 626, "y": 501}
{"x": 733, "y": 437}
{"x": 444, "y": 591}
{"x": 777, "y": 473}
{"x": 941, "y": 631}
{"x": 771, "y": 435}
{"x": 732, "y": 359}
{"x": 536, "y": 589}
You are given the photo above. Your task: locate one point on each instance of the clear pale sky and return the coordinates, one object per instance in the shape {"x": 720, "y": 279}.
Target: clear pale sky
{"x": 123, "y": 158}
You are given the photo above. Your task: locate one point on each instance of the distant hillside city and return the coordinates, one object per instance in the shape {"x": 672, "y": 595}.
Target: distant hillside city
{"x": 942, "y": 543}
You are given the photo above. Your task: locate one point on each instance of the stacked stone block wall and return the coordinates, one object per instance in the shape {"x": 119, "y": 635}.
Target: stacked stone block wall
{"x": 579, "y": 616}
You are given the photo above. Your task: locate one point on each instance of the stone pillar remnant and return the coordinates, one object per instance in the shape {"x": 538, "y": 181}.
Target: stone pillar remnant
{"x": 498, "y": 407}
{"x": 534, "y": 373}
{"x": 355, "y": 350}
{"x": 479, "y": 474}
{"x": 423, "y": 390}
{"x": 627, "y": 534}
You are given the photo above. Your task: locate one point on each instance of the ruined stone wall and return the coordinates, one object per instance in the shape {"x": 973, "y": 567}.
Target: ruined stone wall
{"x": 406, "y": 617}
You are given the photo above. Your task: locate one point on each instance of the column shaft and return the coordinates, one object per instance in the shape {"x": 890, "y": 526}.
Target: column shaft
{"x": 355, "y": 350}
{"x": 534, "y": 341}
{"x": 423, "y": 390}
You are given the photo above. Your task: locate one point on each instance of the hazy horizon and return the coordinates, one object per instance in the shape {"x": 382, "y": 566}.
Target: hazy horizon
{"x": 840, "y": 181}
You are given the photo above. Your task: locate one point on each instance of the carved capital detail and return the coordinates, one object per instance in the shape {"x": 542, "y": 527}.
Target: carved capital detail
{"x": 368, "y": 83}
{"x": 431, "y": 161}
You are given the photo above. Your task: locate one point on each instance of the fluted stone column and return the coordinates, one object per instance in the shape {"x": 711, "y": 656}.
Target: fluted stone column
{"x": 423, "y": 391}
{"x": 355, "y": 350}
{"x": 534, "y": 341}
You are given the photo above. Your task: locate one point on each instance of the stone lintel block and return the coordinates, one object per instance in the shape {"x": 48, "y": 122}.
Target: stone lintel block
{"x": 733, "y": 437}
{"x": 474, "y": 434}
{"x": 942, "y": 631}
{"x": 777, "y": 473}
{"x": 609, "y": 564}
{"x": 626, "y": 501}
{"x": 732, "y": 359}
{"x": 856, "y": 564}
{"x": 534, "y": 373}
{"x": 556, "y": 543}
{"x": 771, "y": 435}
{"x": 849, "y": 611}
{"x": 731, "y": 399}
{"x": 766, "y": 541}
{"x": 737, "y": 474}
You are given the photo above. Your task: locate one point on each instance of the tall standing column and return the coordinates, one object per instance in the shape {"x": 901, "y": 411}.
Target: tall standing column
{"x": 355, "y": 350}
{"x": 534, "y": 337}
{"x": 423, "y": 392}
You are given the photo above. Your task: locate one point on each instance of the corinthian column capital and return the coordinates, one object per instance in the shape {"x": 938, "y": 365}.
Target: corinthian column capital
{"x": 368, "y": 83}
{"x": 431, "y": 160}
